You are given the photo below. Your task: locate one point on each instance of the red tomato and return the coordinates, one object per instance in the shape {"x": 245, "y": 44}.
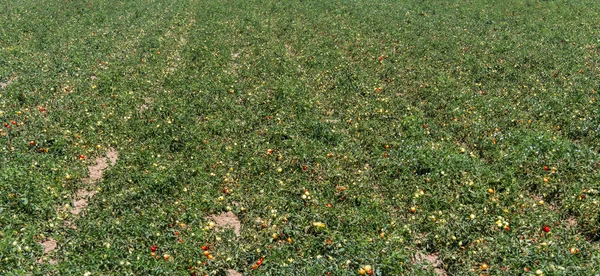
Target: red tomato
{"x": 546, "y": 228}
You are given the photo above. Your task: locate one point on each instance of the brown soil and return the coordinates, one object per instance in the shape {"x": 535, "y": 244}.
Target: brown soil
{"x": 228, "y": 219}
{"x": 49, "y": 245}
{"x": 112, "y": 155}
{"x": 233, "y": 272}
{"x": 97, "y": 169}
{"x": 571, "y": 222}
{"x": 432, "y": 260}
{"x": 3, "y": 85}
{"x": 83, "y": 195}
{"x": 145, "y": 106}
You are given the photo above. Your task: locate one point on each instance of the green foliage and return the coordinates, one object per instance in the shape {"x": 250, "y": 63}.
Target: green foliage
{"x": 448, "y": 128}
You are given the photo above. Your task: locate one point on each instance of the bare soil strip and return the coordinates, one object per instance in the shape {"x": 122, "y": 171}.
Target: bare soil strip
{"x": 82, "y": 197}
{"x": 228, "y": 220}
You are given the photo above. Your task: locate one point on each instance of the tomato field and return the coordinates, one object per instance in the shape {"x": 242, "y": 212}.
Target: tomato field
{"x": 374, "y": 137}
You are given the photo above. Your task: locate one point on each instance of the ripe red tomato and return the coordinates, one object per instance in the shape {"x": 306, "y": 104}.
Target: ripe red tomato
{"x": 546, "y": 228}
{"x": 154, "y": 248}
{"x": 546, "y": 168}
{"x": 82, "y": 156}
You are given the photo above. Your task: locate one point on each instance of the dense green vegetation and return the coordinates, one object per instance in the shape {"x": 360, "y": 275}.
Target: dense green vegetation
{"x": 342, "y": 134}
